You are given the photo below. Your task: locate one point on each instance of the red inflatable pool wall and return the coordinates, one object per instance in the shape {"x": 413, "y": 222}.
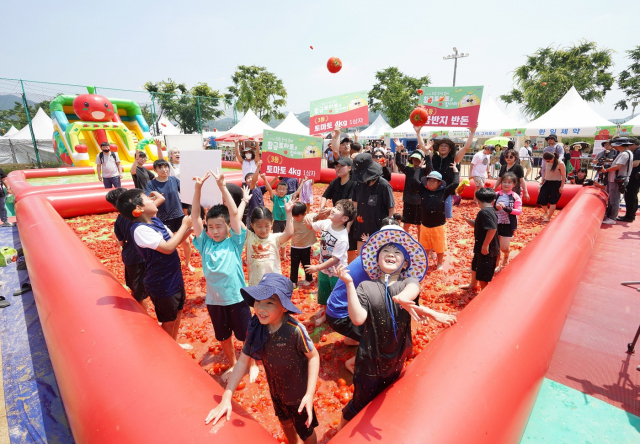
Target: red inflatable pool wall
{"x": 124, "y": 380}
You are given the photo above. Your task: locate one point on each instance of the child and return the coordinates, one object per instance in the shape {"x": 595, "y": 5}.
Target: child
{"x": 134, "y": 265}
{"x": 553, "y": 179}
{"x": 170, "y": 212}
{"x": 579, "y": 177}
{"x": 508, "y": 206}
{"x": 334, "y": 243}
{"x": 157, "y": 246}
{"x": 433, "y": 193}
{"x": 396, "y": 264}
{"x": 256, "y": 194}
{"x": 140, "y": 175}
{"x": 480, "y": 165}
{"x": 290, "y": 360}
{"x": 221, "y": 248}
{"x": 263, "y": 246}
{"x": 301, "y": 243}
{"x": 248, "y": 158}
{"x": 279, "y": 199}
{"x": 486, "y": 249}
{"x": 305, "y": 191}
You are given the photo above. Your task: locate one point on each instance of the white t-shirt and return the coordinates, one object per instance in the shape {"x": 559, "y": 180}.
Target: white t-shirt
{"x": 109, "y": 166}
{"x": 524, "y": 153}
{"x": 263, "y": 256}
{"x": 174, "y": 170}
{"x": 479, "y": 164}
{"x": 248, "y": 167}
{"x": 332, "y": 244}
{"x": 146, "y": 237}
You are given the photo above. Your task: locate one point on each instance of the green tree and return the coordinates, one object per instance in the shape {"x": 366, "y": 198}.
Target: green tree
{"x": 629, "y": 81}
{"x": 188, "y": 107}
{"x": 17, "y": 117}
{"x": 549, "y": 73}
{"x": 396, "y": 94}
{"x": 257, "y": 89}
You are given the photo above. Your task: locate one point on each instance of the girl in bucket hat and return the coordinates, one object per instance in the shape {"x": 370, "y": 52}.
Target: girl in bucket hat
{"x": 396, "y": 264}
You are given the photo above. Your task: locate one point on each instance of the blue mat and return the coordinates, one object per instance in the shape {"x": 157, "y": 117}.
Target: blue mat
{"x": 34, "y": 408}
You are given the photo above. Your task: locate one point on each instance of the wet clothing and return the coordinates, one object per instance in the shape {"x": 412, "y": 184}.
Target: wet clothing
{"x": 486, "y": 220}
{"x": 374, "y": 202}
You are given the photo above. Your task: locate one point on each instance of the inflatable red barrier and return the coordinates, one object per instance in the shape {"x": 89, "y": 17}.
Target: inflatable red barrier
{"x": 533, "y": 188}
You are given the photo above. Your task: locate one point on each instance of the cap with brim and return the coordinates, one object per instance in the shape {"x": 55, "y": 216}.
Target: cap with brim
{"x": 270, "y": 284}
{"x": 621, "y": 142}
{"x": 345, "y": 140}
{"x": 432, "y": 175}
{"x": 491, "y": 148}
{"x": 416, "y": 155}
{"x": 583, "y": 145}
{"x": 346, "y": 161}
{"x": 551, "y": 136}
{"x": 418, "y": 262}
{"x": 365, "y": 169}
{"x": 443, "y": 139}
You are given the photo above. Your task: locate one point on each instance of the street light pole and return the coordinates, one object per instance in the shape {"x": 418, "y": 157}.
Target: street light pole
{"x": 455, "y": 56}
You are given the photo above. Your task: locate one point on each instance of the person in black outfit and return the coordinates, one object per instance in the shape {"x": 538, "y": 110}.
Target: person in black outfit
{"x": 140, "y": 175}
{"x": 411, "y": 193}
{"x": 632, "y": 189}
{"x": 380, "y": 157}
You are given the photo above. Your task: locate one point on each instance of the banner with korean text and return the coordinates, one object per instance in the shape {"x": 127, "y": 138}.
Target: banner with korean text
{"x": 291, "y": 155}
{"x": 452, "y": 106}
{"x": 344, "y": 111}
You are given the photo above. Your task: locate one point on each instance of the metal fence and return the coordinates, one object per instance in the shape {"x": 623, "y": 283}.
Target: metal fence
{"x": 20, "y": 101}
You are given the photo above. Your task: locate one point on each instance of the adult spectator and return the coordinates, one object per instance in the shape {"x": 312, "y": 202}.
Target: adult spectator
{"x": 445, "y": 160}
{"x": 379, "y": 156}
{"x": 576, "y": 154}
{"x": 618, "y": 173}
{"x": 512, "y": 166}
{"x": 480, "y": 165}
{"x": 109, "y": 167}
{"x": 356, "y": 148}
{"x": 329, "y": 155}
{"x": 632, "y": 189}
{"x": 5, "y": 189}
{"x": 553, "y": 147}
{"x": 526, "y": 154}
{"x": 342, "y": 147}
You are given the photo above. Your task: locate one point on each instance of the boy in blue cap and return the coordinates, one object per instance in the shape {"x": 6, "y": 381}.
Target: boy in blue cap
{"x": 290, "y": 360}
{"x": 384, "y": 306}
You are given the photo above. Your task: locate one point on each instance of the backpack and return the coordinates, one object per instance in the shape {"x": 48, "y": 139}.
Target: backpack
{"x": 112, "y": 155}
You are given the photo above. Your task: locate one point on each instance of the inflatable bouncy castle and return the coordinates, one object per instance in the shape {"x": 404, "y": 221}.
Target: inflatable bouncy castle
{"x": 82, "y": 123}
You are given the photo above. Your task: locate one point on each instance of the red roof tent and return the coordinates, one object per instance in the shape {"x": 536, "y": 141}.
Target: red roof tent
{"x": 233, "y": 137}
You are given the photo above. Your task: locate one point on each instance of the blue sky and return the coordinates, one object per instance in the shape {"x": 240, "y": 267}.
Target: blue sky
{"x": 124, "y": 44}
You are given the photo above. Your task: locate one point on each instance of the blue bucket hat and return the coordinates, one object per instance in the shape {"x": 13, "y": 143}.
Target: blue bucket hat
{"x": 270, "y": 284}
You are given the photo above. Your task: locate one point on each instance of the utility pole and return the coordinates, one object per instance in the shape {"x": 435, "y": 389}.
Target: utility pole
{"x": 455, "y": 56}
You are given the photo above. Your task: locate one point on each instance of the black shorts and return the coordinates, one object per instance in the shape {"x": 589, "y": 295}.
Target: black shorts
{"x": 289, "y": 412}
{"x": 174, "y": 224}
{"x": 227, "y": 319}
{"x": 505, "y": 230}
{"x": 484, "y": 266}
{"x": 412, "y": 214}
{"x": 345, "y": 327}
{"x": 133, "y": 277}
{"x": 167, "y": 308}
{"x": 549, "y": 193}
{"x": 279, "y": 226}
{"x": 186, "y": 206}
{"x": 353, "y": 241}
{"x": 366, "y": 388}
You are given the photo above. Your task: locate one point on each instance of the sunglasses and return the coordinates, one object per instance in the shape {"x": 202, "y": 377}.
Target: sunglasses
{"x": 509, "y": 157}
{"x": 377, "y": 157}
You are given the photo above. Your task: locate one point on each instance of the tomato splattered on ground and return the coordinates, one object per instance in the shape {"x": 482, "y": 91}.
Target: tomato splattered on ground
{"x": 335, "y": 385}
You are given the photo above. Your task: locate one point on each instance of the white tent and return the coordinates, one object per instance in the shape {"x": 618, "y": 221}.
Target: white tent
{"x": 18, "y": 147}
{"x": 9, "y": 133}
{"x": 376, "y": 130}
{"x": 167, "y": 128}
{"x": 570, "y": 117}
{"x": 634, "y": 123}
{"x": 249, "y": 126}
{"x": 292, "y": 125}
{"x": 42, "y": 128}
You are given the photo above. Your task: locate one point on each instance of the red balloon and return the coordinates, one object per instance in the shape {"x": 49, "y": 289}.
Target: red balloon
{"x": 334, "y": 65}
{"x": 419, "y": 116}
{"x": 93, "y": 108}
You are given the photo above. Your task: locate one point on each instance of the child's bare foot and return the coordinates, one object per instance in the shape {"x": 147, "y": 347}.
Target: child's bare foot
{"x": 305, "y": 283}
{"x": 498, "y": 269}
{"x": 350, "y": 342}
{"x": 350, "y": 364}
{"x": 320, "y": 319}
{"x": 254, "y": 371}
{"x": 546, "y": 220}
{"x": 440, "y": 267}
{"x": 468, "y": 287}
{"x": 186, "y": 346}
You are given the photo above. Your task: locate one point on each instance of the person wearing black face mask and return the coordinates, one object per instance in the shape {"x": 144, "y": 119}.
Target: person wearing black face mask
{"x": 109, "y": 168}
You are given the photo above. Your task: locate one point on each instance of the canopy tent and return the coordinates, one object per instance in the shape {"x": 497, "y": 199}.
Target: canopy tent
{"x": 249, "y": 126}
{"x": 571, "y": 116}
{"x": 18, "y": 147}
{"x": 292, "y": 125}
{"x": 167, "y": 128}
{"x": 492, "y": 121}
{"x": 9, "y": 133}
{"x": 376, "y": 130}
{"x": 633, "y": 123}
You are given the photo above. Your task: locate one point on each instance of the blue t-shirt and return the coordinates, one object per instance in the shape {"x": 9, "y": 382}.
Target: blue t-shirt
{"x": 122, "y": 229}
{"x": 292, "y": 184}
{"x": 279, "y": 213}
{"x": 222, "y": 266}
{"x": 163, "y": 274}
{"x": 337, "y": 306}
{"x": 171, "y": 208}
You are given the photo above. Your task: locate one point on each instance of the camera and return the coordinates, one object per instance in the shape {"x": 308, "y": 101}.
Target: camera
{"x": 622, "y": 182}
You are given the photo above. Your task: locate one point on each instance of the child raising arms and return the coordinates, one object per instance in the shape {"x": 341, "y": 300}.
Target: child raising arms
{"x": 290, "y": 360}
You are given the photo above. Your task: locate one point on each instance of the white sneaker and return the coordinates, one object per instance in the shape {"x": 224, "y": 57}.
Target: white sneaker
{"x": 609, "y": 221}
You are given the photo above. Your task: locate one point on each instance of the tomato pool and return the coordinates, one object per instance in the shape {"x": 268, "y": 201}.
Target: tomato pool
{"x": 439, "y": 291}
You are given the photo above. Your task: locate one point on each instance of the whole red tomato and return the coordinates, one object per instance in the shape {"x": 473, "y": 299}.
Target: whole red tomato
{"x": 419, "y": 116}
{"x": 420, "y": 92}
{"x": 334, "y": 65}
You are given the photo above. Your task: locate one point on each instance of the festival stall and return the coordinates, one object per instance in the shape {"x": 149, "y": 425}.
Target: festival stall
{"x": 292, "y": 125}
{"x": 376, "y": 130}
{"x": 17, "y": 146}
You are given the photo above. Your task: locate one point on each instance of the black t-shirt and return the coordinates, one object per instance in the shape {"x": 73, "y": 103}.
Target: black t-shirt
{"x": 2, "y": 176}
{"x": 336, "y": 191}
{"x": 432, "y": 204}
{"x": 411, "y": 192}
{"x": 636, "y": 156}
{"x": 518, "y": 171}
{"x": 122, "y": 230}
{"x": 380, "y": 353}
{"x": 443, "y": 166}
{"x": 142, "y": 177}
{"x": 374, "y": 202}
{"x": 284, "y": 358}
{"x": 486, "y": 220}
